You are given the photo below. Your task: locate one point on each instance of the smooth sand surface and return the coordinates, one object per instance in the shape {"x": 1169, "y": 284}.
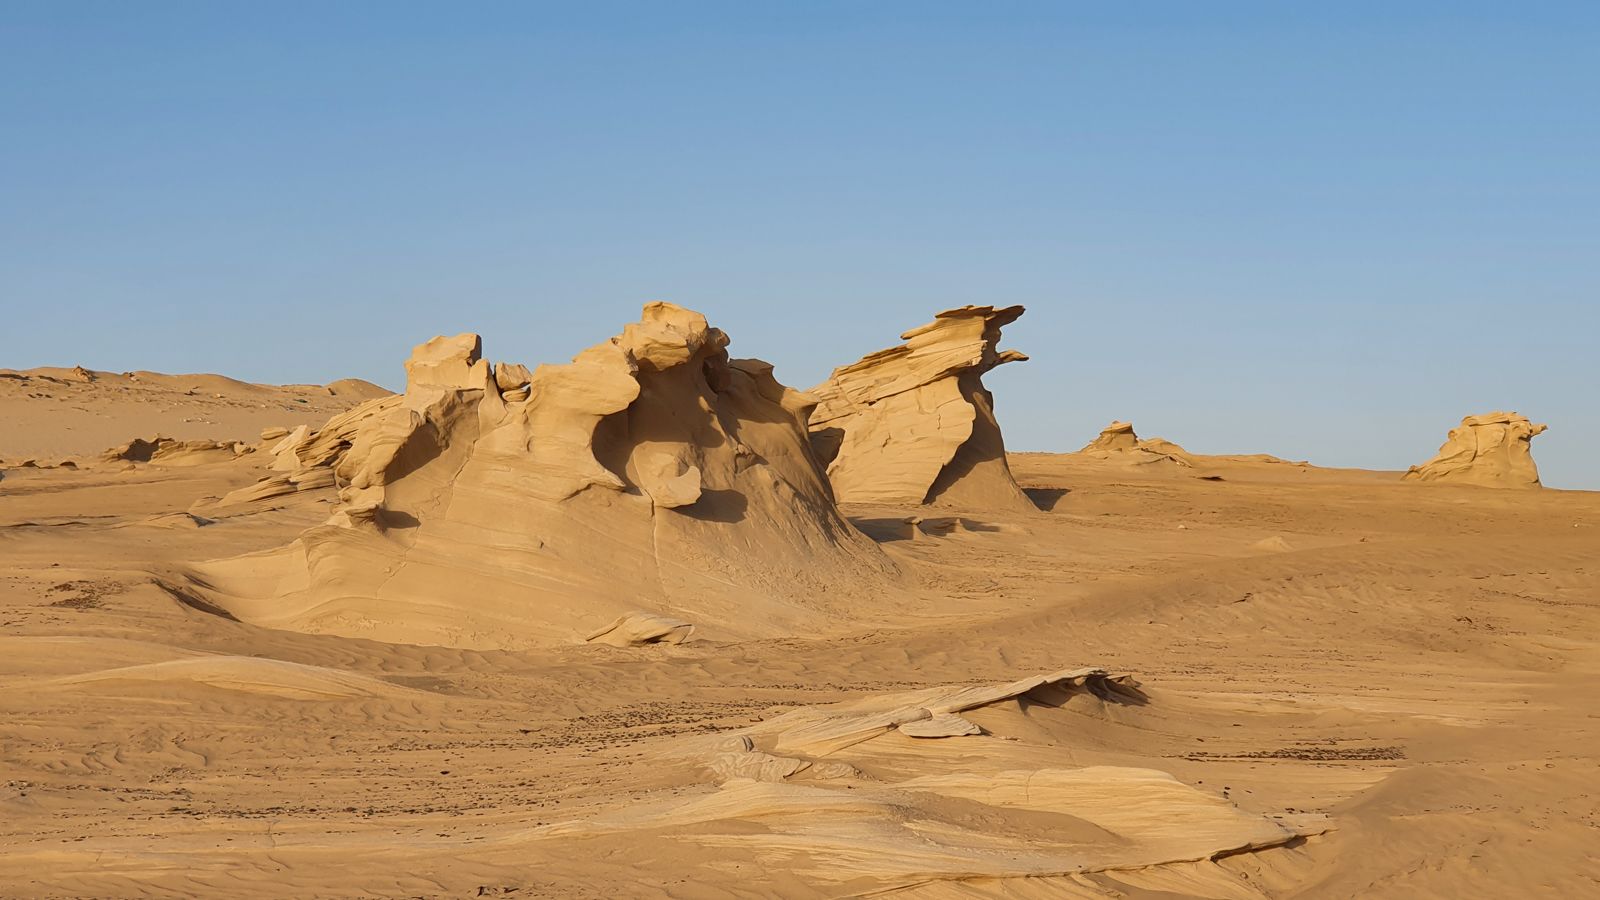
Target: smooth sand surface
{"x": 1239, "y": 678}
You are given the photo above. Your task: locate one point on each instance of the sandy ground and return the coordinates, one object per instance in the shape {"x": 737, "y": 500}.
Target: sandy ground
{"x": 50, "y": 414}
{"x": 1347, "y": 686}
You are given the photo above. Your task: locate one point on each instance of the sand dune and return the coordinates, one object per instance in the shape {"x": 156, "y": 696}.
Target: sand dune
{"x": 75, "y": 413}
{"x": 265, "y": 676}
{"x": 602, "y": 629}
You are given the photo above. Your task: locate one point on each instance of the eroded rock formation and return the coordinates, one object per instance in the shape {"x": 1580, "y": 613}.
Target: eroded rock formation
{"x": 1117, "y": 442}
{"x": 303, "y": 459}
{"x": 493, "y": 507}
{"x": 914, "y": 423}
{"x": 949, "y": 785}
{"x": 171, "y": 452}
{"x": 1492, "y": 450}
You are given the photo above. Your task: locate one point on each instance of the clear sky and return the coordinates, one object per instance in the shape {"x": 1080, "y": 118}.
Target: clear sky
{"x": 1320, "y": 230}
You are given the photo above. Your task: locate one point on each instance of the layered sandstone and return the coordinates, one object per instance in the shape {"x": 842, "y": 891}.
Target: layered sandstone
{"x": 1119, "y": 443}
{"x": 493, "y": 507}
{"x": 914, "y": 423}
{"x": 1491, "y": 450}
{"x": 305, "y": 458}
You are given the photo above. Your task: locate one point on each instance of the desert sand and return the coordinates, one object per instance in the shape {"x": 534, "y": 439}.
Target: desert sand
{"x": 617, "y": 628}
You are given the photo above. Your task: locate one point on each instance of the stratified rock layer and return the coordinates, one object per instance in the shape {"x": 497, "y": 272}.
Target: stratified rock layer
{"x": 1491, "y": 450}
{"x": 493, "y": 507}
{"x": 303, "y": 459}
{"x": 914, "y": 423}
{"x": 1117, "y": 442}
{"x": 171, "y": 452}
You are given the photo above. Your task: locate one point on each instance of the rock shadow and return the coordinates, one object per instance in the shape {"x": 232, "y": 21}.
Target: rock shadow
{"x": 1046, "y": 498}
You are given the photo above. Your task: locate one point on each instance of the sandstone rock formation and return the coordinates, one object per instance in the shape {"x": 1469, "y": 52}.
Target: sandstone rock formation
{"x": 652, "y": 472}
{"x": 305, "y": 459}
{"x": 940, "y": 789}
{"x": 1117, "y": 442}
{"x": 171, "y": 452}
{"x": 914, "y": 423}
{"x": 1492, "y": 450}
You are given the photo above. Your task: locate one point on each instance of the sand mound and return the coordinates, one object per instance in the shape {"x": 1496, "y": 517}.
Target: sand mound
{"x": 273, "y": 677}
{"x": 914, "y": 423}
{"x": 653, "y": 472}
{"x": 1492, "y": 450}
{"x": 1117, "y": 442}
{"x": 1275, "y": 544}
{"x": 356, "y": 389}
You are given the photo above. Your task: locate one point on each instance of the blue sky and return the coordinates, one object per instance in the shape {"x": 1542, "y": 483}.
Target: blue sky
{"x": 1325, "y": 231}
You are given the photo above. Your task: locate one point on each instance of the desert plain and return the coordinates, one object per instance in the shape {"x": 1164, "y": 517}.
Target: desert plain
{"x": 653, "y": 624}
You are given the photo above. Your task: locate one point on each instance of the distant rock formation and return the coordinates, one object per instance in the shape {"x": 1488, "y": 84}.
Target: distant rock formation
{"x": 171, "y": 452}
{"x": 1492, "y": 450}
{"x": 493, "y": 507}
{"x": 1116, "y": 437}
{"x": 914, "y": 423}
{"x": 1117, "y": 442}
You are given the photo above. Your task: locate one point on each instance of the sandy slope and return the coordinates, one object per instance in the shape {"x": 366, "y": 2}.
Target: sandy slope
{"x": 1347, "y": 686}
{"x": 55, "y": 413}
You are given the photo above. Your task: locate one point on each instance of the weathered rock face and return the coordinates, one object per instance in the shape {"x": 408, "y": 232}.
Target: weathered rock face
{"x": 493, "y": 507}
{"x": 1116, "y": 437}
{"x": 171, "y": 452}
{"x": 914, "y": 423}
{"x": 1492, "y": 450}
{"x": 303, "y": 459}
{"x": 1117, "y": 442}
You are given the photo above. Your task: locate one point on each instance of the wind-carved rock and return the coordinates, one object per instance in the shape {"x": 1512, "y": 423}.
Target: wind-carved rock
{"x": 914, "y": 423}
{"x": 1492, "y": 450}
{"x": 1117, "y": 442}
{"x": 306, "y": 459}
{"x": 491, "y": 506}
{"x": 172, "y": 452}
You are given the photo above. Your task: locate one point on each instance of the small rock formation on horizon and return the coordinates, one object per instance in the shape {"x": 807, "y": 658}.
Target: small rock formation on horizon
{"x": 1117, "y": 442}
{"x": 914, "y": 423}
{"x": 493, "y": 507}
{"x": 1491, "y": 450}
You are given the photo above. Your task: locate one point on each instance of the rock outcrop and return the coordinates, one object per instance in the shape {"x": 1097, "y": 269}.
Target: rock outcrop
{"x": 1117, "y": 442}
{"x": 303, "y": 459}
{"x": 171, "y": 452}
{"x": 1492, "y": 450}
{"x": 926, "y": 793}
{"x": 490, "y": 506}
{"x": 914, "y": 423}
